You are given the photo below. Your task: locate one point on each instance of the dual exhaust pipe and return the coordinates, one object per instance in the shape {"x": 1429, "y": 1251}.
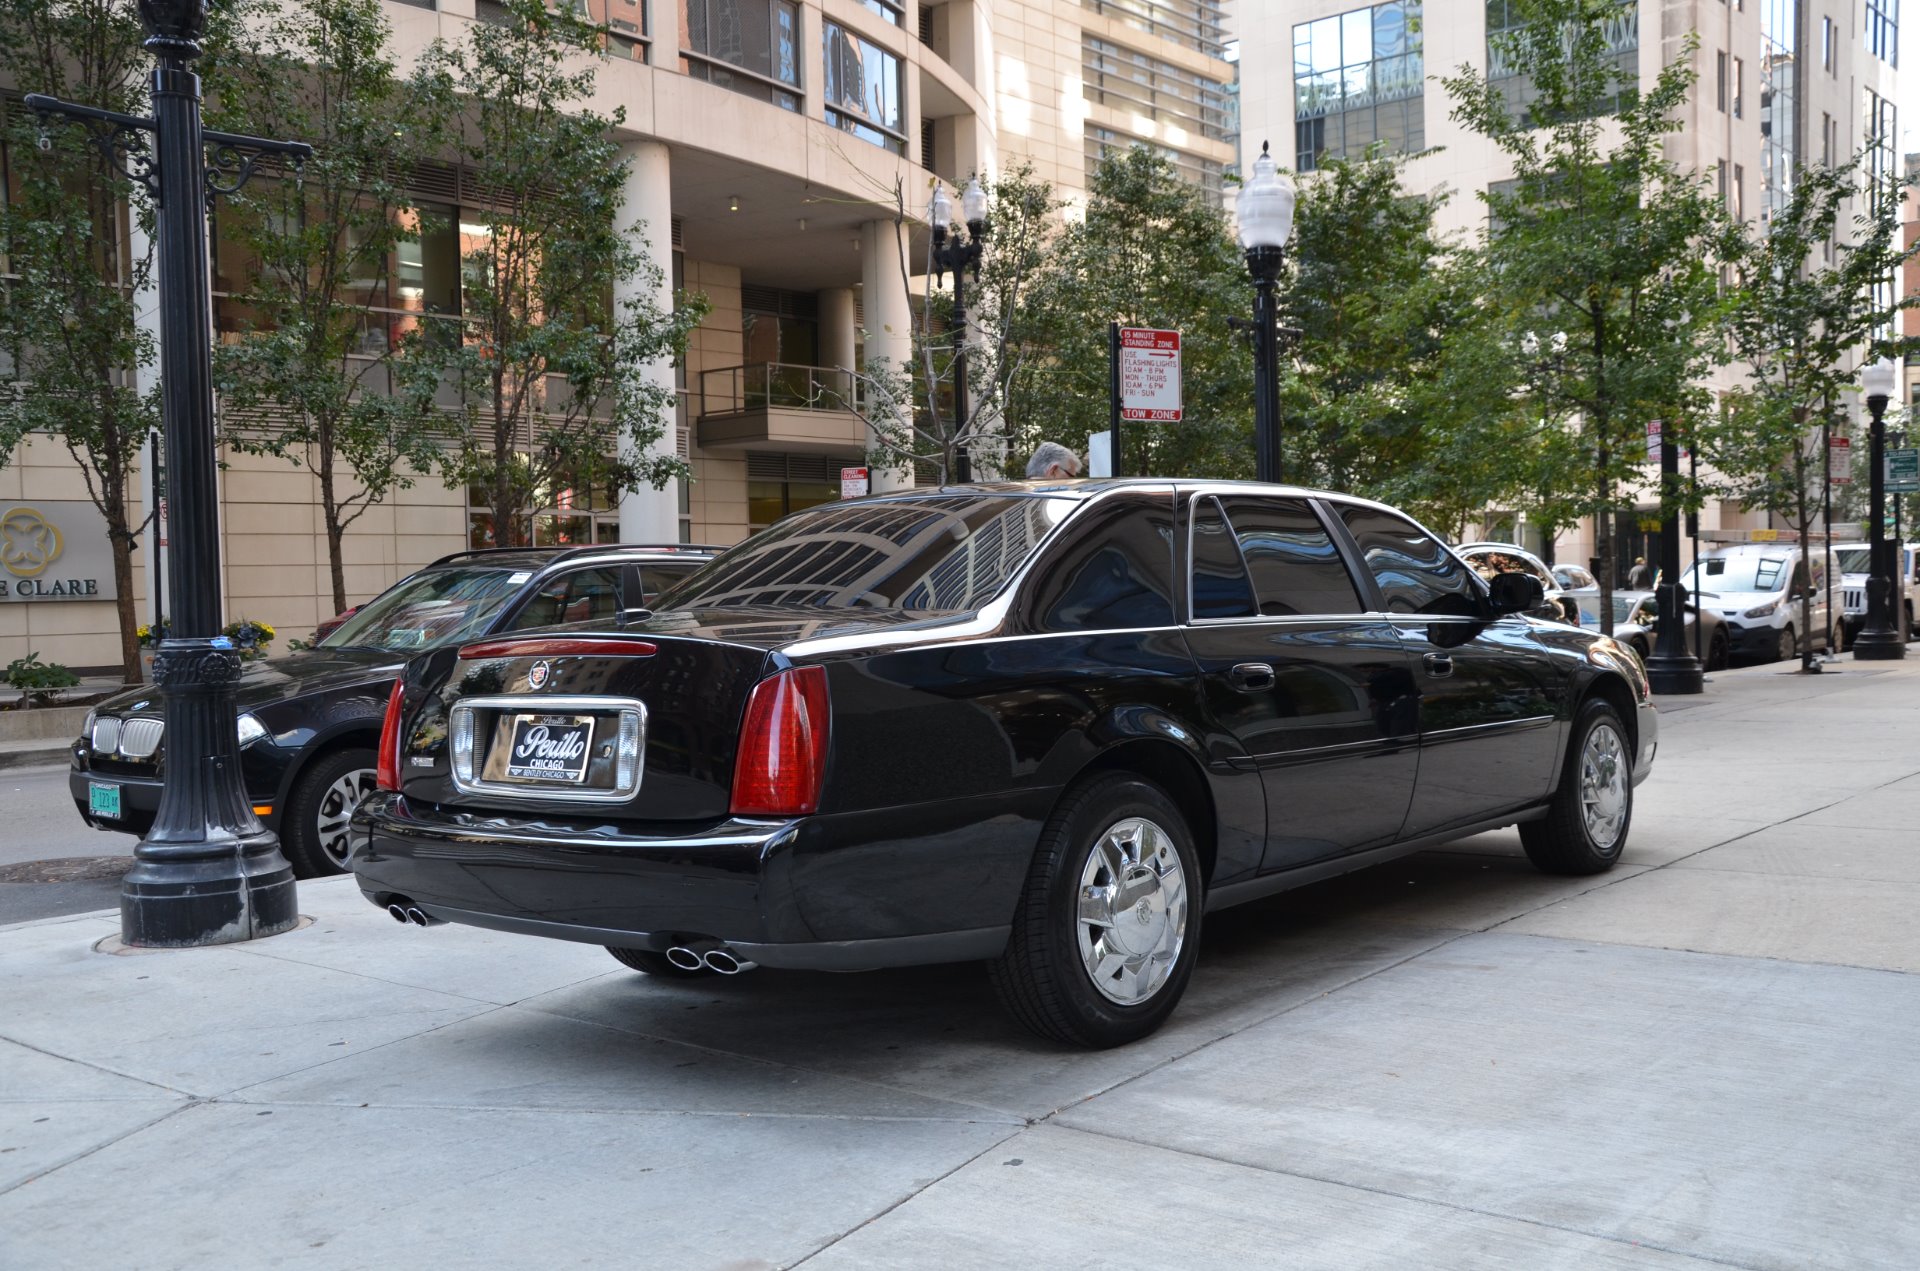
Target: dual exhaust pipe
{"x": 404, "y": 911}
{"x": 710, "y": 954}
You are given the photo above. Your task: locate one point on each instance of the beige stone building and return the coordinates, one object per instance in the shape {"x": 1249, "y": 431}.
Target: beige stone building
{"x": 1780, "y": 84}
{"x": 767, "y": 140}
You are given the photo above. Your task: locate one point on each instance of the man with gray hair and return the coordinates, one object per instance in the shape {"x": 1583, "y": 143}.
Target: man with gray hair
{"x": 1051, "y": 462}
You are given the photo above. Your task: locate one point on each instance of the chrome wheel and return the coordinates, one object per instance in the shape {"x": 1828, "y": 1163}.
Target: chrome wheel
{"x": 1603, "y": 785}
{"x": 335, "y": 809}
{"x": 1132, "y": 914}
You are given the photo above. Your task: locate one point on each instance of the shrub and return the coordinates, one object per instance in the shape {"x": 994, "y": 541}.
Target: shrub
{"x": 38, "y": 681}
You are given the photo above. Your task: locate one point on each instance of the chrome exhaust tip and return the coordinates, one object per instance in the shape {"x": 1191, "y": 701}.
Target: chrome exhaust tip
{"x": 727, "y": 962}
{"x": 399, "y": 913}
{"x": 685, "y": 958}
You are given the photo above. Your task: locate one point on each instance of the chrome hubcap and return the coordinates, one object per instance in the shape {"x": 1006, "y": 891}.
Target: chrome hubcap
{"x": 336, "y": 809}
{"x": 1132, "y": 916}
{"x": 1603, "y": 785}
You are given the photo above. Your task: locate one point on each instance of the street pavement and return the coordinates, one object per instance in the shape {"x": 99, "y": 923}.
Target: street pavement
{"x": 1705, "y": 1058}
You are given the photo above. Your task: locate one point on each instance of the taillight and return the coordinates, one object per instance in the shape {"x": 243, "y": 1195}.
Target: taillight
{"x": 783, "y": 746}
{"x": 386, "y": 773}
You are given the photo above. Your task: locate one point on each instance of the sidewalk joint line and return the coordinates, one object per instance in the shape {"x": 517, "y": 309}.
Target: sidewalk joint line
{"x": 912, "y": 1194}
{"x": 77, "y": 1157}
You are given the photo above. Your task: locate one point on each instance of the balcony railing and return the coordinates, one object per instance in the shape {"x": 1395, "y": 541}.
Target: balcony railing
{"x": 732, "y": 390}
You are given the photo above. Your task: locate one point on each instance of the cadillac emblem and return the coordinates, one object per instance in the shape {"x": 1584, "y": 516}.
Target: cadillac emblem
{"x": 537, "y": 676}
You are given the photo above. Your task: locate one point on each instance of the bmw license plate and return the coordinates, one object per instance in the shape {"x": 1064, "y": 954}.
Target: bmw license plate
{"x": 103, "y": 799}
{"x": 550, "y": 748}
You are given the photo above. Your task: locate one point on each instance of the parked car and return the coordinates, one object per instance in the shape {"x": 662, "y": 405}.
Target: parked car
{"x": 1853, "y": 562}
{"x": 1048, "y": 727}
{"x": 1759, "y": 586}
{"x": 1499, "y": 558}
{"x": 308, "y": 721}
{"x": 1636, "y": 618}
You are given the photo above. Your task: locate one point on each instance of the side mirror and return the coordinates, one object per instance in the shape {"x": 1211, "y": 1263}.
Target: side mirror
{"x": 1514, "y": 593}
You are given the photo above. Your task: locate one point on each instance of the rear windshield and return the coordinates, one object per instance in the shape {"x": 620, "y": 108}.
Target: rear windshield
{"x": 944, "y": 554}
{"x": 1739, "y": 573}
{"x": 428, "y": 609}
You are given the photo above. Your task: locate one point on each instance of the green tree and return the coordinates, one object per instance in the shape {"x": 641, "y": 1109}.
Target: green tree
{"x": 67, "y": 327}
{"x": 1810, "y": 305}
{"x": 1404, "y": 377}
{"x": 552, "y": 373}
{"x": 1599, "y": 240}
{"x": 1150, "y": 251}
{"x": 316, "y": 379}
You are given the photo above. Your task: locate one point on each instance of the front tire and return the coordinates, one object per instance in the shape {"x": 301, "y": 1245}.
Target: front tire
{"x": 1717, "y": 653}
{"x": 1786, "y": 648}
{"x": 313, "y": 830}
{"x": 1108, "y": 928}
{"x": 1586, "y": 825}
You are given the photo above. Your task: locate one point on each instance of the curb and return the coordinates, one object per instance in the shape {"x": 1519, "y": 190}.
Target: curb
{"x": 42, "y": 755}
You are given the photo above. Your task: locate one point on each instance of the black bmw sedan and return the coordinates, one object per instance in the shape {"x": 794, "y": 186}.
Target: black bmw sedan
{"x": 1045, "y": 726}
{"x": 308, "y": 721}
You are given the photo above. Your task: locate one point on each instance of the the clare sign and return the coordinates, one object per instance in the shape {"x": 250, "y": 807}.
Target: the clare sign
{"x": 1150, "y": 375}
{"x": 54, "y": 550}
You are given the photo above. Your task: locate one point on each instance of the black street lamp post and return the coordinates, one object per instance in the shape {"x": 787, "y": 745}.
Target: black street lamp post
{"x": 1673, "y": 668}
{"x": 1265, "y": 210}
{"x": 1879, "y": 640}
{"x": 957, "y": 256}
{"x": 208, "y": 872}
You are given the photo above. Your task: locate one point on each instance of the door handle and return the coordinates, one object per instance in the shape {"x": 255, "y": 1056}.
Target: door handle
{"x": 1252, "y": 677}
{"x": 1439, "y": 665}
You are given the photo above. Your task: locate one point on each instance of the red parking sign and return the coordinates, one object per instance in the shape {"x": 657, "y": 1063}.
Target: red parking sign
{"x": 1150, "y": 375}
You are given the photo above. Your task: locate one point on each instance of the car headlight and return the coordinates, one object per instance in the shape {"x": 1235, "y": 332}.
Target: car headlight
{"x": 251, "y": 729}
{"x": 86, "y": 728}
{"x": 1762, "y": 611}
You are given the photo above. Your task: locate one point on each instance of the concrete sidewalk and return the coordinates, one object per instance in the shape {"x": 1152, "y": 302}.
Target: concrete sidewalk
{"x": 1705, "y": 1058}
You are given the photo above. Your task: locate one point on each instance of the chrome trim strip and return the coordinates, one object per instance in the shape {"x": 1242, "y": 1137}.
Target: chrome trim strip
{"x": 1515, "y": 725}
{"x": 630, "y": 746}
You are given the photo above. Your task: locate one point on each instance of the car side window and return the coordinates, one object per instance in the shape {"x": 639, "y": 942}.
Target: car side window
{"x": 1295, "y": 566}
{"x": 1415, "y": 573}
{"x": 655, "y": 579}
{"x": 1221, "y": 588}
{"x": 1113, "y": 569}
{"x": 579, "y": 596}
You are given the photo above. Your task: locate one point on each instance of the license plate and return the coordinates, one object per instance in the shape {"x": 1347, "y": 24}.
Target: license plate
{"x": 550, "y": 748}
{"x": 103, "y": 799}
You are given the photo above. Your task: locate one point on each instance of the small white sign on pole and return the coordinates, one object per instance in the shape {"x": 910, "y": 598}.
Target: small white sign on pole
{"x": 1840, "y": 460}
{"x": 1654, "y": 434}
{"x": 1150, "y": 375}
{"x": 853, "y": 483}
{"x": 1100, "y": 454}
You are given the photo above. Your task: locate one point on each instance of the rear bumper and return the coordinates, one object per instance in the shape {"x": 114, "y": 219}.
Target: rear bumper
{"x": 734, "y": 882}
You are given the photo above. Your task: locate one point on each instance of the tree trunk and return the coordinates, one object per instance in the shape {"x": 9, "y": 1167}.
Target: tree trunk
{"x": 1603, "y": 544}
{"x": 122, "y": 543}
{"x": 330, "y": 509}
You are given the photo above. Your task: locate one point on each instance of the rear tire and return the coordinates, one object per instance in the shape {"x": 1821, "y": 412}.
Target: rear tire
{"x": 651, "y": 963}
{"x": 313, "y": 828}
{"x": 1586, "y": 825}
{"x": 1108, "y": 929}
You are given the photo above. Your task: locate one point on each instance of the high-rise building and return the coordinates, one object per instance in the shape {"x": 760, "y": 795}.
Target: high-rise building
{"x": 767, "y": 140}
{"x": 1779, "y": 85}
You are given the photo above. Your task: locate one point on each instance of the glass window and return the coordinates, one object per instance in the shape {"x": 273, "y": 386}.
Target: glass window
{"x": 1114, "y": 570}
{"x": 862, "y": 88}
{"x": 1205, "y": 173}
{"x": 431, "y": 608}
{"x": 885, "y": 8}
{"x": 938, "y": 554}
{"x": 1359, "y": 78}
{"x": 581, "y": 596}
{"x": 1192, "y": 24}
{"x": 761, "y": 37}
{"x": 1295, "y": 566}
{"x": 655, "y": 579}
{"x": 1221, "y": 588}
{"x": 1145, "y": 86}
{"x": 1414, "y": 572}
{"x": 1622, "y": 34}
{"x": 1883, "y": 30}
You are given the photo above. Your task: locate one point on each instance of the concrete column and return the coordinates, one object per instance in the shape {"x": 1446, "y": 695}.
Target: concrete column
{"x": 889, "y": 321}
{"x": 663, "y": 34}
{"x": 646, "y": 212}
{"x": 837, "y": 334}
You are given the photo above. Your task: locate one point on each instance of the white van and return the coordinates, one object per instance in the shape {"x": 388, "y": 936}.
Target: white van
{"x": 1757, "y": 589}
{"x": 1851, "y": 561}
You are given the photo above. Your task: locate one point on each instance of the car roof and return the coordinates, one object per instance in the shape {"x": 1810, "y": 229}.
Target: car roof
{"x": 1092, "y": 487}
{"x": 541, "y": 557}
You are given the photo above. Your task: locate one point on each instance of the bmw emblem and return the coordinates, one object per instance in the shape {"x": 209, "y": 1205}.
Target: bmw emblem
{"x": 537, "y": 676}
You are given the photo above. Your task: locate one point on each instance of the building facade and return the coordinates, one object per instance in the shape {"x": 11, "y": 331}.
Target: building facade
{"x": 767, "y": 140}
{"x": 1779, "y": 85}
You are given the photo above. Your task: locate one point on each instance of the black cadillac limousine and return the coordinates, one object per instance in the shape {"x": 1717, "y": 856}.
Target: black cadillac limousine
{"x": 1045, "y": 726}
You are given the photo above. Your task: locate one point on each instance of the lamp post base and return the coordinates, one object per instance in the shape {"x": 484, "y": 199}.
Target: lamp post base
{"x": 178, "y": 897}
{"x": 1878, "y": 646}
{"x": 1676, "y": 676}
